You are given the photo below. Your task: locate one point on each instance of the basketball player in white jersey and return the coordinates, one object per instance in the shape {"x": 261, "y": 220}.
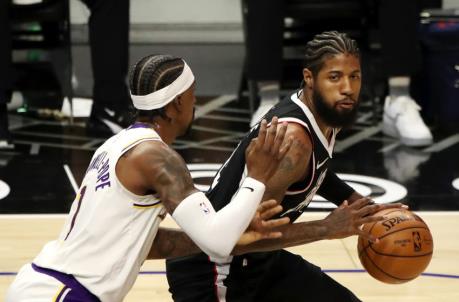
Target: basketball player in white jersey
{"x": 133, "y": 179}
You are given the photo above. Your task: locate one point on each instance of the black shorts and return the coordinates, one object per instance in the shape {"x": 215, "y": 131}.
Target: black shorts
{"x": 273, "y": 276}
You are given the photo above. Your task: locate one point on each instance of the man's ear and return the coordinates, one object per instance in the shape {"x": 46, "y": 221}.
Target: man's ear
{"x": 177, "y": 103}
{"x": 308, "y": 78}
{"x": 179, "y": 99}
{"x": 172, "y": 109}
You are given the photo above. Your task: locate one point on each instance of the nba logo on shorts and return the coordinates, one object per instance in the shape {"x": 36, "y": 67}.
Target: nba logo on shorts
{"x": 417, "y": 241}
{"x": 204, "y": 207}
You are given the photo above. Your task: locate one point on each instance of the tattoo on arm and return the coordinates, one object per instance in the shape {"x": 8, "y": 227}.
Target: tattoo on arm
{"x": 292, "y": 235}
{"x": 171, "y": 243}
{"x": 291, "y": 169}
{"x": 287, "y": 164}
{"x": 170, "y": 177}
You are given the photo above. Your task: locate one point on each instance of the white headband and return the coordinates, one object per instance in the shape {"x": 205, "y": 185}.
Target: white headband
{"x": 165, "y": 95}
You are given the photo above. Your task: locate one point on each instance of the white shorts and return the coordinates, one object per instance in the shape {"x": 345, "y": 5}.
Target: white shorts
{"x": 33, "y": 286}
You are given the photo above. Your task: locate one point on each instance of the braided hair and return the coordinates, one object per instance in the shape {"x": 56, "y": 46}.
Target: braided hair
{"x": 326, "y": 45}
{"x": 152, "y": 73}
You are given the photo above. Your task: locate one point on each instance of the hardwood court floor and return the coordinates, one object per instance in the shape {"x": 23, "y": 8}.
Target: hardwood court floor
{"x": 23, "y": 236}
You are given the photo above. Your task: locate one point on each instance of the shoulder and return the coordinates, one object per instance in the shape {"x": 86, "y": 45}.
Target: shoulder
{"x": 153, "y": 155}
{"x": 298, "y": 156}
{"x": 159, "y": 166}
{"x": 301, "y": 140}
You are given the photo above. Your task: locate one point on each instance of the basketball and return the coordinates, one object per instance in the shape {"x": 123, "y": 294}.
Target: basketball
{"x": 404, "y": 250}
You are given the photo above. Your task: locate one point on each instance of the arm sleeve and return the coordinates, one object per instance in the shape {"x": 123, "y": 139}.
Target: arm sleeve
{"x": 216, "y": 233}
{"x": 334, "y": 189}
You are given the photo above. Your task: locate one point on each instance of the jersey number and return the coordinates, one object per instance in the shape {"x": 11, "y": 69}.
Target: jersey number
{"x": 82, "y": 191}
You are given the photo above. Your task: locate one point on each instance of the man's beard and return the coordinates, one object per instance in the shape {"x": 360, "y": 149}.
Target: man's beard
{"x": 330, "y": 115}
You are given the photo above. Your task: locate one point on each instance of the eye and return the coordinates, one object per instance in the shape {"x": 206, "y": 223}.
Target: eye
{"x": 355, "y": 77}
{"x": 333, "y": 77}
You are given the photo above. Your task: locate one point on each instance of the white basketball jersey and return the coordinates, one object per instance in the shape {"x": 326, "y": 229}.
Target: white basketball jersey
{"x": 109, "y": 230}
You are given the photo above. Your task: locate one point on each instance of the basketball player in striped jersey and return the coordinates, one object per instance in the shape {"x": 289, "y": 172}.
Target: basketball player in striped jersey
{"x": 133, "y": 179}
{"x": 326, "y": 102}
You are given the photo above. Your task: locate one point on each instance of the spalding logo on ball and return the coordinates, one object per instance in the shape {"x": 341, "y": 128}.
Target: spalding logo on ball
{"x": 404, "y": 249}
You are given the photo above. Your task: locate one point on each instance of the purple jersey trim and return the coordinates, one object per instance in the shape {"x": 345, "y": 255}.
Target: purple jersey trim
{"x": 147, "y": 205}
{"x": 58, "y": 298}
{"x": 78, "y": 293}
{"x": 83, "y": 190}
{"x": 139, "y": 125}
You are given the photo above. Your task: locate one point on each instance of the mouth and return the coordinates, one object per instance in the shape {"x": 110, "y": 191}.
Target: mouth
{"x": 346, "y": 104}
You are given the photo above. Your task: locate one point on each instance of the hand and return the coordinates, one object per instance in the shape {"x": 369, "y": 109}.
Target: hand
{"x": 262, "y": 227}
{"x": 265, "y": 152}
{"x": 347, "y": 219}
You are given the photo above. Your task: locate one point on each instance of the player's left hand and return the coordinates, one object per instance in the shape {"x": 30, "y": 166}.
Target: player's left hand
{"x": 262, "y": 226}
{"x": 265, "y": 153}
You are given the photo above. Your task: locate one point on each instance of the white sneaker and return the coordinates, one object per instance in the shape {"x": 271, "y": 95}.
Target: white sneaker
{"x": 403, "y": 163}
{"x": 261, "y": 111}
{"x": 402, "y": 120}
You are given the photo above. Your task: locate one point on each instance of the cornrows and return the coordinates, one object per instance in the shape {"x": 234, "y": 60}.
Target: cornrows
{"x": 327, "y": 44}
{"x": 153, "y": 73}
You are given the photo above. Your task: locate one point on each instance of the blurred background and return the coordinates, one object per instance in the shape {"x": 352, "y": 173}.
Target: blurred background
{"x": 63, "y": 92}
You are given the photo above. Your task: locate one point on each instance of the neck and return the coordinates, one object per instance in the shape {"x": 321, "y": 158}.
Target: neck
{"x": 306, "y": 98}
{"x": 164, "y": 129}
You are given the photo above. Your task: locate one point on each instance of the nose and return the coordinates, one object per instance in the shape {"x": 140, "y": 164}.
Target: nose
{"x": 346, "y": 87}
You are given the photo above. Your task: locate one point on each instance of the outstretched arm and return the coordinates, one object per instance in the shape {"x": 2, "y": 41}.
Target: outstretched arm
{"x": 172, "y": 242}
{"x": 161, "y": 169}
{"x": 343, "y": 222}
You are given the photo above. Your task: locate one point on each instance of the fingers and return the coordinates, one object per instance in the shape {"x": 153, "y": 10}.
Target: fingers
{"x": 372, "y": 208}
{"x": 285, "y": 147}
{"x": 368, "y": 236}
{"x": 262, "y": 133}
{"x": 359, "y": 203}
{"x": 368, "y": 210}
{"x": 392, "y": 206}
{"x": 343, "y": 205}
{"x": 271, "y": 139}
{"x": 274, "y": 223}
{"x": 366, "y": 213}
{"x": 271, "y": 135}
{"x": 258, "y": 142}
{"x": 255, "y": 236}
{"x": 251, "y": 146}
{"x": 369, "y": 219}
{"x": 279, "y": 139}
{"x": 272, "y": 235}
{"x": 268, "y": 213}
{"x": 267, "y": 204}
{"x": 268, "y": 209}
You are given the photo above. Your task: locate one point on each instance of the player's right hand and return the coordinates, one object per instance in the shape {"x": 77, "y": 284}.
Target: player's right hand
{"x": 262, "y": 226}
{"x": 346, "y": 220}
{"x": 265, "y": 152}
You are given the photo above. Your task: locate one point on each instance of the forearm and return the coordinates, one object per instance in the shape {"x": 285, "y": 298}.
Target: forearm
{"x": 335, "y": 189}
{"x": 172, "y": 243}
{"x": 292, "y": 235}
{"x": 216, "y": 233}
{"x": 354, "y": 196}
